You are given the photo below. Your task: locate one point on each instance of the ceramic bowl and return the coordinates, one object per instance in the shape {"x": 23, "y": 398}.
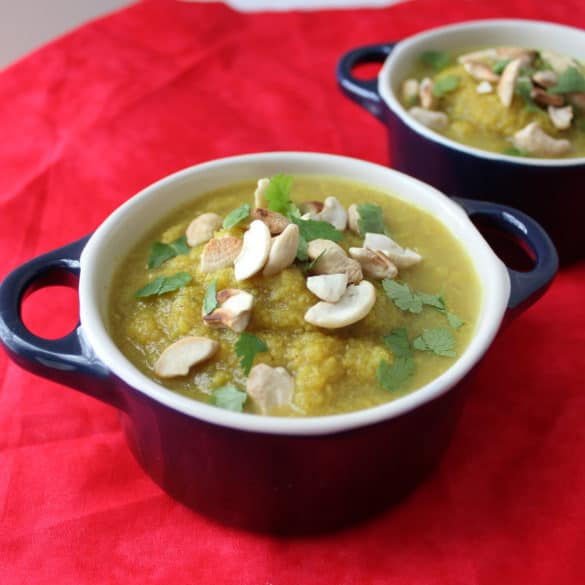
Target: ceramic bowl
{"x": 283, "y": 475}
{"x": 549, "y": 190}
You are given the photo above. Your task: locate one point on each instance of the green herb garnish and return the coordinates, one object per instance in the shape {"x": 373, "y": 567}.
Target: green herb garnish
{"x": 445, "y": 85}
{"x": 370, "y": 219}
{"x": 160, "y": 253}
{"x": 438, "y": 340}
{"x": 570, "y": 80}
{"x": 278, "y": 193}
{"x": 210, "y": 298}
{"x": 513, "y": 151}
{"x": 302, "y": 250}
{"x": 392, "y": 376}
{"x": 235, "y": 216}
{"x": 306, "y": 267}
{"x": 455, "y": 321}
{"x": 435, "y": 301}
{"x": 229, "y": 397}
{"x": 397, "y": 342}
{"x": 164, "y": 284}
{"x": 311, "y": 229}
{"x": 499, "y": 66}
{"x": 247, "y": 346}
{"x": 402, "y": 296}
{"x": 524, "y": 90}
{"x": 438, "y": 60}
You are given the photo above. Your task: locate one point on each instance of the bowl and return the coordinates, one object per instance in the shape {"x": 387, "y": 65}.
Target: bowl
{"x": 273, "y": 474}
{"x": 550, "y": 190}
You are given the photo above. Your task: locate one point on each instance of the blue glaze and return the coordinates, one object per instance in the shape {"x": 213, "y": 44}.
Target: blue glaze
{"x": 552, "y": 195}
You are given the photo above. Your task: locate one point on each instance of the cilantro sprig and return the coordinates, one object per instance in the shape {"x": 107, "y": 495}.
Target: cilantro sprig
{"x": 237, "y": 215}
{"x": 437, "y": 60}
{"x": 439, "y": 341}
{"x": 370, "y": 219}
{"x": 248, "y": 346}
{"x": 499, "y": 66}
{"x": 392, "y": 375}
{"x": 278, "y": 193}
{"x": 164, "y": 284}
{"x": 160, "y": 252}
{"x": 229, "y": 397}
{"x": 569, "y": 81}
{"x": 445, "y": 85}
{"x": 210, "y": 298}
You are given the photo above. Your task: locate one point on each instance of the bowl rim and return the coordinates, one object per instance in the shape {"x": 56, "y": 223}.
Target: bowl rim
{"x": 494, "y": 304}
{"x": 384, "y": 88}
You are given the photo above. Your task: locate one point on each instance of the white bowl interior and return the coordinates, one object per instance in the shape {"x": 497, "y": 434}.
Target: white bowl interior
{"x": 467, "y": 37}
{"x": 125, "y": 227}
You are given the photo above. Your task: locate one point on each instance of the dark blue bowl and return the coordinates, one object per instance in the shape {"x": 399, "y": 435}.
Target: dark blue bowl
{"x": 550, "y": 191}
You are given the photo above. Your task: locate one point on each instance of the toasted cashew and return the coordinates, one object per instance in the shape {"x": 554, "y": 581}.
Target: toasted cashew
{"x": 353, "y": 218}
{"x": 332, "y": 259}
{"x": 255, "y": 250}
{"x": 332, "y": 212}
{"x": 275, "y": 221}
{"x": 220, "y": 253}
{"x": 354, "y": 305}
{"x": 312, "y": 207}
{"x": 374, "y": 264}
{"x": 269, "y": 388}
{"x": 260, "y": 193}
{"x": 425, "y": 94}
{"x": 283, "y": 250}
{"x": 234, "y": 310}
{"x": 578, "y": 100}
{"x": 328, "y": 287}
{"x": 543, "y": 98}
{"x": 177, "y": 359}
{"x": 410, "y": 89}
{"x": 201, "y": 228}
{"x": 545, "y": 78}
{"x": 475, "y": 56}
{"x": 430, "y": 119}
{"x": 402, "y": 257}
{"x": 480, "y": 71}
{"x": 507, "y": 82}
{"x": 561, "y": 117}
{"x": 534, "y": 140}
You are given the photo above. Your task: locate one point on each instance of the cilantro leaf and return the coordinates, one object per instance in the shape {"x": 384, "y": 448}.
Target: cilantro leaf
{"x": 499, "y": 66}
{"x": 235, "y": 216}
{"x": 302, "y": 250}
{"x": 164, "y": 284}
{"x": 392, "y": 376}
{"x": 436, "y": 59}
{"x": 210, "y": 298}
{"x": 513, "y": 151}
{"x": 524, "y": 90}
{"x": 397, "y": 342}
{"x": 311, "y": 229}
{"x": 278, "y": 193}
{"x": 455, "y": 321}
{"x": 370, "y": 219}
{"x": 445, "y": 85}
{"x": 438, "y": 340}
{"x": 229, "y": 397}
{"x": 247, "y": 346}
{"x": 160, "y": 253}
{"x": 403, "y": 297}
{"x": 435, "y": 301}
{"x": 569, "y": 81}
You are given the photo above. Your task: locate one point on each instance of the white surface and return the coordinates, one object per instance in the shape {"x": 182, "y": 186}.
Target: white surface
{"x": 27, "y": 24}
{"x": 123, "y": 229}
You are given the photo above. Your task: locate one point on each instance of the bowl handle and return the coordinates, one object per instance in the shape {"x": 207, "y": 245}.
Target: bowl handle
{"x": 68, "y": 360}
{"x": 363, "y": 92}
{"x": 526, "y": 287}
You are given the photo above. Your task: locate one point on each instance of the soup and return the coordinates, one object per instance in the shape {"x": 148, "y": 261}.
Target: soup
{"x": 304, "y": 321}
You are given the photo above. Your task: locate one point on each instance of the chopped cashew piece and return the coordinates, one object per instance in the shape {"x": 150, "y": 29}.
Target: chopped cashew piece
{"x": 201, "y": 229}
{"x": 402, "y": 257}
{"x": 274, "y": 220}
{"x": 507, "y": 82}
{"x": 312, "y": 206}
{"x": 543, "y": 98}
{"x": 269, "y": 388}
{"x": 534, "y": 140}
{"x": 177, "y": 359}
{"x": 484, "y": 87}
{"x": 260, "y": 193}
{"x": 425, "y": 94}
{"x": 374, "y": 264}
{"x": 430, "y": 119}
{"x": 332, "y": 212}
{"x": 234, "y": 310}
{"x": 545, "y": 78}
{"x": 480, "y": 71}
{"x": 483, "y": 55}
{"x": 328, "y": 287}
{"x": 332, "y": 259}
{"x": 561, "y": 117}
{"x": 410, "y": 89}
{"x": 353, "y": 218}
{"x": 527, "y": 55}
{"x": 354, "y": 305}
{"x": 283, "y": 250}
{"x": 255, "y": 250}
{"x": 220, "y": 253}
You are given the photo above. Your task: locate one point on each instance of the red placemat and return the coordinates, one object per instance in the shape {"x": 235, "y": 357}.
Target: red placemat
{"x": 89, "y": 120}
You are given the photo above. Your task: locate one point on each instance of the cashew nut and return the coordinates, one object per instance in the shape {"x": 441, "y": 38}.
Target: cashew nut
{"x": 545, "y": 78}
{"x": 201, "y": 228}
{"x": 255, "y": 250}
{"x": 234, "y": 310}
{"x": 275, "y": 221}
{"x": 332, "y": 259}
{"x": 484, "y": 87}
{"x": 354, "y": 305}
{"x": 561, "y": 117}
{"x": 480, "y": 71}
{"x": 220, "y": 253}
{"x": 402, "y": 257}
{"x": 269, "y": 388}
{"x": 353, "y": 218}
{"x": 182, "y": 355}
{"x": 333, "y": 212}
{"x": 328, "y": 287}
{"x": 430, "y": 119}
{"x": 410, "y": 88}
{"x": 507, "y": 82}
{"x": 283, "y": 250}
{"x": 260, "y": 193}
{"x": 374, "y": 264}
{"x": 483, "y": 55}
{"x": 543, "y": 98}
{"x": 534, "y": 140}
{"x": 425, "y": 94}
{"x": 578, "y": 100}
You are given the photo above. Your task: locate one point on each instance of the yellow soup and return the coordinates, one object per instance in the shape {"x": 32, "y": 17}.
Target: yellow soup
{"x": 407, "y": 339}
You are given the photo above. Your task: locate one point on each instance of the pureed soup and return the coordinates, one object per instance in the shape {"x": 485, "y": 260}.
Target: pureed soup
{"x": 510, "y": 100}
{"x": 298, "y": 296}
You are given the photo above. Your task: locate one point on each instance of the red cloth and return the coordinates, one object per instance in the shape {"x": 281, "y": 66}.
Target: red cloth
{"x": 92, "y": 118}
